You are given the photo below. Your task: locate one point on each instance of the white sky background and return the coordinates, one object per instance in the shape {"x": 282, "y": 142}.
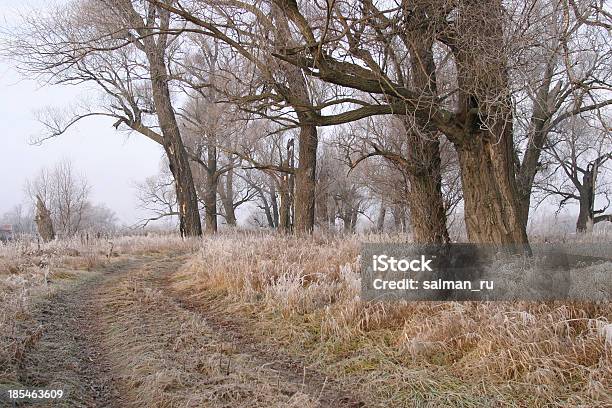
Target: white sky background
{"x": 111, "y": 161}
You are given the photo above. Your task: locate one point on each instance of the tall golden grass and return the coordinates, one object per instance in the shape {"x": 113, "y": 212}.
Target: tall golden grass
{"x": 307, "y": 290}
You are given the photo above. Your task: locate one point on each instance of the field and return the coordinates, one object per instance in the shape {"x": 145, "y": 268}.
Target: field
{"x": 253, "y": 319}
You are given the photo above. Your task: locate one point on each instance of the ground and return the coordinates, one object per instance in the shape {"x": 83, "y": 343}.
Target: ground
{"x": 90, "y": 329}
{"x": 275, "y": 322}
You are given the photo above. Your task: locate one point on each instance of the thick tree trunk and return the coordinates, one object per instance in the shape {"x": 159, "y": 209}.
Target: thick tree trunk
{"x": 586, "y": 215}
{"x": 305, "y": 179}
{"x": 347, "y": 221}
{"x": 210, "y": 204}
{"x": 491, "y": 207}
{"x": 427, "y": 212}
{"x": 354, "y": 218}
{"x": 189, "y": 214}
{"x": 585, "y": 220}
{"x": 486, "y": 149}
{"x": 298, "y": 96}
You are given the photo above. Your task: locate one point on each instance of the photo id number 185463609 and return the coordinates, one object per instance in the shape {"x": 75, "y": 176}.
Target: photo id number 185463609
{"x": 34, "y": 394}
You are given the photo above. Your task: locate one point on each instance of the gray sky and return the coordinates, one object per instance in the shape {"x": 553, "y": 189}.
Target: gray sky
{"x": 111, "y": 161}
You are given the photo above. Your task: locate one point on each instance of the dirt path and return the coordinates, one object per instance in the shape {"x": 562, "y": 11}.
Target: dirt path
{"x": 121, "y": 338}
{"x": 67, "y": 354}
{"x": 328, "y": 391}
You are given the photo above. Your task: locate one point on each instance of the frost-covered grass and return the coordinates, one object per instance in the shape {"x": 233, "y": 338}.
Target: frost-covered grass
{"x": 303, "y": 293}
{"x": 29, "y": 270}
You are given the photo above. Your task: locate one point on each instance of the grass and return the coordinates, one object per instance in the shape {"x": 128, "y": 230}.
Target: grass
{"x": 303, "y": 295}
{"x": 172, "y": 358}
{"x": 300, "y": 296}
{"x": 30, "y": 271}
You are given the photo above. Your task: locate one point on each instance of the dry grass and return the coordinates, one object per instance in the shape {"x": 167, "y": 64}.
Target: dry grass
{"x": 29, "y": 271}
{"x": 168, "y": 356}
{"x": 303, "y": 294}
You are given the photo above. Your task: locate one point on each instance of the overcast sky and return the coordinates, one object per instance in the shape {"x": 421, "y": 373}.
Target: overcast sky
{"x": 111, "y": 161}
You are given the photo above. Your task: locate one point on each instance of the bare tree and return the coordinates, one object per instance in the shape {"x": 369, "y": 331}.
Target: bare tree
{"x": 561, "y": 70}
{"x": 157, "y": 196}
{"x": 64, "y": 194}
{"x": 114, "y": 44}
{"x": 581, "y": 155}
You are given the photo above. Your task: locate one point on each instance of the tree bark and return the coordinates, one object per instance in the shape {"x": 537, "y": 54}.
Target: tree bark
{"x": 585, "y": 220}
{"x": 296, "y": 93}
{"x": 427, "y": 211}
{"x": 491, "y": 206}
{"x": 190, "y": 224}
{"x": 210, "y": 193}
{"x": 425, "y": 200}
{"x": 486, "y": 149}
{"x": 586, "y": 214}
{"x": 305, "y": 179}
{"x": 346, "y": 223}
{"x": 226, "y": 193}
{"x": 354, "y": 217}
{"x": 43, "y": 220}
{"x": 284, "y": 217}
{"x": 380, "y": 222}
{"x": 267, "y": 211}
{"x": 274, "y": 205}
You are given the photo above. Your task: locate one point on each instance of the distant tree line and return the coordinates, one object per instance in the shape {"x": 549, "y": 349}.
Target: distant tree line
{"x": 59, "y": 206}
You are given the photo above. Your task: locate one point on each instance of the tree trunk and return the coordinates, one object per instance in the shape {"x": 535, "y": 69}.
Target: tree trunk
{"x": 178, "y": 159}
{"x": 347, "y": 219}
{"x": 274, "y": 205}
{"x": 284, "y": 218}
{"x": 210, "y": 193}
{"x": 380, "y": 222}
{"x": 491, "y": 207}
{"x": 586, "y": 215}
{"x": 44, "y": 221}
{"x": 354, "y": 218}
{"x": 535, "y": 143}
{"x": 305, "y": 179}
{"x": 226, "y": 193}
{"x": 298, "y": 96}
{"x": 486, "y": 148}
{"x": 585, "y": 220}
{"x": 427, "y": 211}
{"x": 267, "y": 210}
